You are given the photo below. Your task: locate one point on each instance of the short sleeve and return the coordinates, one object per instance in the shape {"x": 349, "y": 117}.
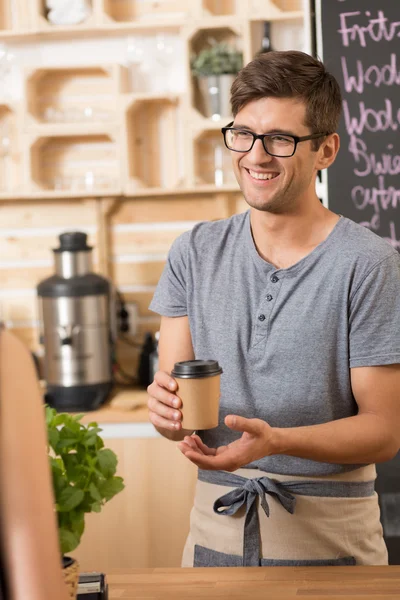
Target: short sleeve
{"x": 170, "y": 298}
{"x": 374, "y": 319}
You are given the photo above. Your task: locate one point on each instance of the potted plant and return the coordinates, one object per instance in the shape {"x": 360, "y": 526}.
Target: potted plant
{"x": 84, "y": 479}
{"x": 215, "y": 68}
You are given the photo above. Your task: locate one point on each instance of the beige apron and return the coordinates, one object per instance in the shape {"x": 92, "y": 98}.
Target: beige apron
{"x": 285, "y": 520}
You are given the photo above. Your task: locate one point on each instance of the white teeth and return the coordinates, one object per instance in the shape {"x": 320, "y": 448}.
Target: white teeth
{"x": 262, "y": 175}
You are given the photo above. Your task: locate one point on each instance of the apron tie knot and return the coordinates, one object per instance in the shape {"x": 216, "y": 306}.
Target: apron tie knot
{"x": 245, "y": 494}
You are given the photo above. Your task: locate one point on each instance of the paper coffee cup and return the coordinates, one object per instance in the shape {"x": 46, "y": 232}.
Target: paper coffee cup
{"x": 199, "y": 389}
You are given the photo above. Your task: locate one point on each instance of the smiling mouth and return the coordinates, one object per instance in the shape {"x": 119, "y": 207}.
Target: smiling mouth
{"x": 262, "y": 176}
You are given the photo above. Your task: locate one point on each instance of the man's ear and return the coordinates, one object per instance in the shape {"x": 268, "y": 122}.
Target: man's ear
{"x": 327, "y": 151}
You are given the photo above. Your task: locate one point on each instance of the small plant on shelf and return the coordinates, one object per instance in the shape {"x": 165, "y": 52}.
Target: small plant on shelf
{"x": 219, "y": 58}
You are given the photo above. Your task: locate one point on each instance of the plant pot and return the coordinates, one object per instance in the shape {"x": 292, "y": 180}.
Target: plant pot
{"x": 216, "y": 93}
{"x": 71, "y": 576}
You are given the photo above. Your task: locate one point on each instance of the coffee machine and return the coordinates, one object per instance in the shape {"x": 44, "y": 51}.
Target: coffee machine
{"x": 75, "y": 307}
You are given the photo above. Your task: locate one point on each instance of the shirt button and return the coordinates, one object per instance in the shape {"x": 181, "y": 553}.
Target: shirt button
{"x": 261, "y": 317}
{"x": 274, "y": 279}
{"x": 269, "y": 298}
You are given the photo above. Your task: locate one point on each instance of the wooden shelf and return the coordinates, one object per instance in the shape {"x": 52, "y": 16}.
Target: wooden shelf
{"x": 10, "y": 162}
{"x": 45, "y": 21}
{"x": 127, "y": 11}
{"x": 152, "y": 132}
{"x": 212, "y": 160}
{"x": 93, "y": 131}
{"x": 38, "y": 28}
{"x": 77, "y": 164}
{"x": 71, "y": 95}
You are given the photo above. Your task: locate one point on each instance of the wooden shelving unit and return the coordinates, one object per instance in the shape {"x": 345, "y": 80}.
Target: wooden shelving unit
{"x": 90, "y": 129}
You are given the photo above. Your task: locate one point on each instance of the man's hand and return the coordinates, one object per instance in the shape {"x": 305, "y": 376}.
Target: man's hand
{"x": 163, "y": 403}
{"x": 255, "y": 443}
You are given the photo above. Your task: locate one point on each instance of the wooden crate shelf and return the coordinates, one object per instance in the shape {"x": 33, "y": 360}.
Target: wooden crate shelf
{"x": 212, "y": 160}
{"x": 127, "y": 11}
{"x": 15, "y": 15}
{"x": 77, "y": 164}
{"x": 153, "y": 141}
{"x": 71, "y": 95}
{"x": 10, "y": 162}
{"x": 43, "y": 23}
{"x": 97, "y": 130}
{"x": 200, "y": 39}
{"x": 219, "y": 7}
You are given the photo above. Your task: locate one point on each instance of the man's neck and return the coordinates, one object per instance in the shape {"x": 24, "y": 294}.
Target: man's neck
{"x": 284, "y": 239}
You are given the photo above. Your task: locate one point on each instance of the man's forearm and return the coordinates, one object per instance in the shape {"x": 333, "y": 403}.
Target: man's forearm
{"x": 362, "y": 439}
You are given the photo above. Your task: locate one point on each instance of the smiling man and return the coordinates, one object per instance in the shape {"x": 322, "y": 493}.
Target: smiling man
{"x": 301, "y": 307}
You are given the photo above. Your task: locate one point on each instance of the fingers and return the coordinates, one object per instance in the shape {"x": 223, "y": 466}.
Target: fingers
{"x": 205, "y": 449}
{"x": 165, "y": 380}
{"x": 163, "y": 404}
{"x": 254, "y": 426}
{"x": 210, "y": 463}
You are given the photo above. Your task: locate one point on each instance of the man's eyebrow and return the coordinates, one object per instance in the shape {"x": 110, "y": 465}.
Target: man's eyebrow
{"x": 276, "y": 130}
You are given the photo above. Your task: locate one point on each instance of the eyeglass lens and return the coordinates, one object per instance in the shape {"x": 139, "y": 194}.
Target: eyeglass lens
{"x": 278, "y": 145}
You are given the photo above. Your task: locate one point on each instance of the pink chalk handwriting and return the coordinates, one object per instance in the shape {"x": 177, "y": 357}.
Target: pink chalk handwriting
{"x": 377, "y": 30}
{"x": 368, "y": 162}
{"x": 388, "y": 75}
{"x": 371, "y": 119}
{"x": 380, "y": 198}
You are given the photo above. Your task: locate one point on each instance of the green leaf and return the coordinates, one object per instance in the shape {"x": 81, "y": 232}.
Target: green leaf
{"x": 90, "y": 438}
{"x": 73, "y": 469}
{"x": 70, "y": 498}
{"x": 108, "y": 489}
{"x": 94, "y": 492}
{"x": 53, "y": 437}
{"x": 69, "y": 540}
{"x": 50, "y": 415}
{"x": 96, "y": 507}
{"x": 107, "y": 462}
{"x": 77, "y": 520}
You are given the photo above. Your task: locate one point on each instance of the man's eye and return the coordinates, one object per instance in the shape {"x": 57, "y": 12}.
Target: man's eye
{"x": 281, "y": 139}
{"x": 243, "y": 134}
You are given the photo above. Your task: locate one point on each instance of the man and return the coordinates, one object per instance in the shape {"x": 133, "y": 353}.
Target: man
{"x": 301, "y": 307}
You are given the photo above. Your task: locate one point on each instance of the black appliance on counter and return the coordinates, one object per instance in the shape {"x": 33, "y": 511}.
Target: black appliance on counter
{"x": 92, "y": 586}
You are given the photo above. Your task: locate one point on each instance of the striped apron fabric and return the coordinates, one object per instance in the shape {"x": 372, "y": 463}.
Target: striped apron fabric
{"x": 253, "y": 518}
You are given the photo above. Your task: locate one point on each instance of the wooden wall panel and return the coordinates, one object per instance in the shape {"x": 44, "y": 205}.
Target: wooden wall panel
{"x": 37, "y": 214}
{"x": 140, "y": 233}
{"x": 146, "y": 273}
{"x": 17, "y": 307}
{"x": 142, "y": 299}
{"x": 145, "y": 525}
{"x": 146, "y": 241}
{"x": 36, "y": 247}
{"x": 22, "y": 277}
{"x": 168, "y": 209}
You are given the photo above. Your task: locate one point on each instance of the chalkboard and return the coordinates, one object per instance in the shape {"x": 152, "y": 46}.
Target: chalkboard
{"x": 360, "y": 42}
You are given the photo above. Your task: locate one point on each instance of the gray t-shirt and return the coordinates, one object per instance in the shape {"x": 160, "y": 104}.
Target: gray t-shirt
{"x": 285, "y": 338}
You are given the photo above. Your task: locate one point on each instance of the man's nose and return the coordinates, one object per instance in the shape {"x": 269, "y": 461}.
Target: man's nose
{"x": 258, "y": 154}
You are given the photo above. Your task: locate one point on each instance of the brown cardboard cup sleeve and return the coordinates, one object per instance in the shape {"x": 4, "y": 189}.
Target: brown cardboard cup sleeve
{"x": 199, "y": 389}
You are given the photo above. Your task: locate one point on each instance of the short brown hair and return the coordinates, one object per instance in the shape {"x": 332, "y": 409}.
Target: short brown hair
{"x": 291, "y": 74}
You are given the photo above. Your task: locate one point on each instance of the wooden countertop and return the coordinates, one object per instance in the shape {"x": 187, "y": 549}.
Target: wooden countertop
{"x": 245, "y": 583}
{"x": 125, "y": 405}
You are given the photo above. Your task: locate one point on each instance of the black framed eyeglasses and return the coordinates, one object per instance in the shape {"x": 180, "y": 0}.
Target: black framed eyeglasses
{"x": 281, "y": 145}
